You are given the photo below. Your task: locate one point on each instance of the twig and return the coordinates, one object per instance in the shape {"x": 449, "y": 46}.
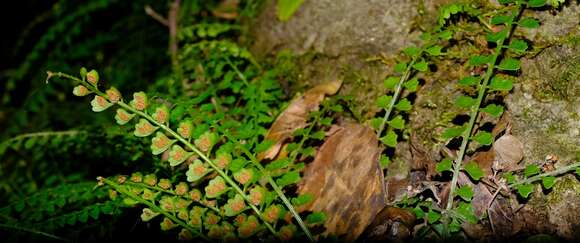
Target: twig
{"x": 151, "y": 12}
{"x": 490, "y": 219}
{"x": 240, "y": 74}
{"x": 173, "y": 24}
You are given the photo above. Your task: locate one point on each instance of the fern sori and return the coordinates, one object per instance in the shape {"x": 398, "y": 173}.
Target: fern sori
{"x": 223, "y": 185}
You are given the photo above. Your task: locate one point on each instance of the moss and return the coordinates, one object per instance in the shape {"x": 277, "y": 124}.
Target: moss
{"x": 564, "y": 186}
{"x": 398, "y": 169}
{"x": 561, "y": 85}
{"x": 555, "y": 69}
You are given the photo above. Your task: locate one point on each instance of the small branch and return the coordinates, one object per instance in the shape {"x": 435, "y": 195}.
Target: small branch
{"x": 149, "y": 11}
{"x": 484, "y": 23}
{"x": 240, "y": 74}
{"x": 173, "y": 24}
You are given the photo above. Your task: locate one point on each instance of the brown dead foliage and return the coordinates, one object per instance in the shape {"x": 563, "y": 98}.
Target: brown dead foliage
{"x": 346, "y": 181}
{"x": 227, "y": 9}
{"x": 296, "y": 116}
{"x": 497, "y": 208}
{"x": 391, "y": 225}
{"x": 509, "y": 151}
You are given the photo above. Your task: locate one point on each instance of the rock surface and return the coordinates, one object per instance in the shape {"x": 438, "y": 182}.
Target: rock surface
{"x": 340, "y": 39}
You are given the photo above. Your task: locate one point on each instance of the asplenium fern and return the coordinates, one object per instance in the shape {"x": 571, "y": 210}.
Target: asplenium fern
{"x": 414, "y": 62}
{"x": 498, "y": 65}
{"x": 213, "y": 169}
{"x": 46, "y": 211}
{"x": 58, "y": 30}
{"x": 490, "y": 71}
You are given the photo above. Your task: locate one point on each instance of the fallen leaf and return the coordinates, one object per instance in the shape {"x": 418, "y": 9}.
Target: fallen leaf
{"x": 227, "y": 9}
{"x": 509, "y": 151}
{"x": 296, "y": 116}
{"x": 421, "y": 158}
{"x": 484, "y": 160}
{"x": 498, "y": 209}
{"x": 396, "y": 189}
{"x": 390, "y": 225}
{"x": 345, "y": 177}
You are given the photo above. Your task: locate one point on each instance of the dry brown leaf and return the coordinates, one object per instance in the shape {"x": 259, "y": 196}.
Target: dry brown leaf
{"x": 498, "y": 209}
{"x": 227, "y": 9}
{"x": 509, "y": 151}
{"x": 484, "y": 160}
{"x": 422, "y": 159}
{"x": 346, "y": 181}
{"x": 390, "y": 225}
{"x": 296, "y": 116}
{"x": 396, "y": 188}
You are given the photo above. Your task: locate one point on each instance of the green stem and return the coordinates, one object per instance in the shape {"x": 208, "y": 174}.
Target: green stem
{"x": 46, "y": 134}
{"x": 305, "y": 135}
{"x": 205, "y": 158}
{"x": 484, "y": 23}
{"x": 168, "y": 192}
{"x": 473, "y": 116}
{"x": 240, "y": 74}
{"x": 556, "y": 172}
{"x": 278, "y": 191}
{"x": 398, "y": 90}
{"x": 178, "y": 137}
{"x": 33, "y": 231}
{"x": 153, "y": 207}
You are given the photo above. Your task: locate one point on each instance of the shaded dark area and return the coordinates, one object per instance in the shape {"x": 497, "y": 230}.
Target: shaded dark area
{"x": 51, "y": 139}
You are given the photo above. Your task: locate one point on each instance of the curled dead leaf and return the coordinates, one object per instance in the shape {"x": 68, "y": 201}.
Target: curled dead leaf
{"x": 295, "y": 117}
{"x": 346, "y": 177}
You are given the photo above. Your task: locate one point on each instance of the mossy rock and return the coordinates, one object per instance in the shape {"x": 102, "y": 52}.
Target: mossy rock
{"x": 342, "y": 39}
